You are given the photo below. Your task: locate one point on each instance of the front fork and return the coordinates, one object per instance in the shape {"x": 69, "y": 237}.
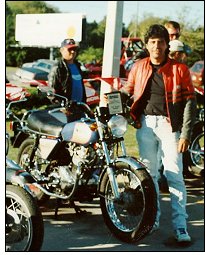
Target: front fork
{"x": 110, "y": 172}
{"x": 110, "y": 169}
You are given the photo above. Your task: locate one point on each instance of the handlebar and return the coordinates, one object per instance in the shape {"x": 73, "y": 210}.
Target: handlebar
{"x": 51, "y": 95}
{"x": 65, "y": 103}
{"x": 9, "y": 112}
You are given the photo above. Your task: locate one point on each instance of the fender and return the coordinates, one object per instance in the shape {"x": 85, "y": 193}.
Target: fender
{"x": 17, "y": 140}
{"x": 131, "y": 161}
{"x": 18, "y": 177}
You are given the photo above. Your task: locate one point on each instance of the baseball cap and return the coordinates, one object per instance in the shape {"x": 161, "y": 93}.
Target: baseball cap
{"x": 69, "y": 43}
{"x": 176, "y": 45}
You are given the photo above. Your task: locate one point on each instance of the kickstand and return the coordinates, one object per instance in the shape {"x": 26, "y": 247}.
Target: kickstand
{"x": 71, "y": 204}
{"x": 77, "y": 208}
{"x": 58, "y": 203}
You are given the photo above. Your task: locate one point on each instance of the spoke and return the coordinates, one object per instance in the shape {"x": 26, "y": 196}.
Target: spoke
{"x": 124, "y": 212}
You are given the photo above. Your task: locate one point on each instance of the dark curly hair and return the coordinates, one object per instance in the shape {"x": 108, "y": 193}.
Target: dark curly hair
{"x": 157, "y": 31}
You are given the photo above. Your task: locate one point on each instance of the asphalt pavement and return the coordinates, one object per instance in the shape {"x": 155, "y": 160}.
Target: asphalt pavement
{"x": 88, "y": 233}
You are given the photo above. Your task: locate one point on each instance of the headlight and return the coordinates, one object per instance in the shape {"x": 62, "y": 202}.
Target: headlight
{"x": 118, "y": 125}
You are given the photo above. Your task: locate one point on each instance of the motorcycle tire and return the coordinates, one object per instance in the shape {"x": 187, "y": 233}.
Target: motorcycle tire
{"x": 132, "y": 216}
{"x": 24, "y": 221}
{"x": 23, "y": 159}
{"x": 193, "y": 159}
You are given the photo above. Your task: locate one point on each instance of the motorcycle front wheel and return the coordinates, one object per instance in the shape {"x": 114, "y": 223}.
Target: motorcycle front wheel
{"x": 193, "y": 159}
{"x": 24, "y": 222}
{"x": 132, "y": 215}
{"x": 197, "y": 155}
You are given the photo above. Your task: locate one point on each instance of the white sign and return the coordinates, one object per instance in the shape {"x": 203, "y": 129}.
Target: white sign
{"x": 48, "y": 30}
{"x": 114, "y": 103}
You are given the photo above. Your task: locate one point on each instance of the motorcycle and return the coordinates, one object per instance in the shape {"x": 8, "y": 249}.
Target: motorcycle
{"x": 193, "y": 159}
{"x": 76, "y": 154}
{"x": 24, "y": 222}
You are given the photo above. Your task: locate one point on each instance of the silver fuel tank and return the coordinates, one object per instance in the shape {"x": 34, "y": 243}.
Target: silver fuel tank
{"x": 80, "y": 132}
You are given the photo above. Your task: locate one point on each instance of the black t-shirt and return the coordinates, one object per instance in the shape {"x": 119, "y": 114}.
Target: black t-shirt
{"x": 153, "y": 100}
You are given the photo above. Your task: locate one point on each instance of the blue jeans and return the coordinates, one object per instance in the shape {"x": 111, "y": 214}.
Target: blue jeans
{"x": 155, "y": 138}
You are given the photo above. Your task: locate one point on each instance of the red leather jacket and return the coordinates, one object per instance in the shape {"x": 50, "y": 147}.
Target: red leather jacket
{"x": 179, "y": 92}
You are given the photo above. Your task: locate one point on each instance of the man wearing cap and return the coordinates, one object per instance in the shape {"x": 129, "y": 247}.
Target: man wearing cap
{"x": 66, "y": 76}
{"x": 176, "y": 51}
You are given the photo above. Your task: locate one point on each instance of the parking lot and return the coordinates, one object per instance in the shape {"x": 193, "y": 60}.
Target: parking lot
{"x": 87, "y": 232}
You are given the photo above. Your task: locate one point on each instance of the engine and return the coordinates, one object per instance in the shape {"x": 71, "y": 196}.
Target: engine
{"x": 62, "y": 178}
{"x": 81, "y": 154}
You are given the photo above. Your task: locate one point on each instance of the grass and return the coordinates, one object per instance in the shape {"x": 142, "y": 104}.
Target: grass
{"x": 130, "y": 142}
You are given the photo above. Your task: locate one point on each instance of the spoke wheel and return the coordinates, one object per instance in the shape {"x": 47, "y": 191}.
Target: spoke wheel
{"x": 132, "y": 215}
{"x": 24, "y": 222}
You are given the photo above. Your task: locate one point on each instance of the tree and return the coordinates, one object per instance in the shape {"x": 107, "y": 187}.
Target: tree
{"x": 31, "y": 7}
{"x": 140, "y": 28}
{"x": 193, "y": 37}
{"x": 92, "y": 47}
{"x": 15, "y": 56}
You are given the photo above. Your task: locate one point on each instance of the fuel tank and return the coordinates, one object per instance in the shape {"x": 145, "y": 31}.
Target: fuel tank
{"x": 80, "y": 132}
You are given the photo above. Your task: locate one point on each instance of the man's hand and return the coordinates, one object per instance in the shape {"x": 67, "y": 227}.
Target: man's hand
{"x": 104, "y": 99}
{"x": 183, "y": 145}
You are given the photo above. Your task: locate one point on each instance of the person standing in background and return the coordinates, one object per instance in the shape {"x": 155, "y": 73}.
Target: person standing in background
{"x": 173, "y": 29}
{"x": 177, "y": 51}
{"x": 66, "y": 77}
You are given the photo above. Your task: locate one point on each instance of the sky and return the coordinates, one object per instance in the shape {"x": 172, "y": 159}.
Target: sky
{"x": 96, "y": 10}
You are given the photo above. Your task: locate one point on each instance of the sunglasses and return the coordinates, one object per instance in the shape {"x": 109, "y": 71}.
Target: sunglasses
{"x": 69, "y": 41}
{"x": 177, "y": 35}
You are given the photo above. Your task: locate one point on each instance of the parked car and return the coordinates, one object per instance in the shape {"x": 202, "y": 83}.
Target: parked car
{"x": 197, "y": 73}
{"x": 34, "y": 72}
{"x": 42, "y": 64}
{"x": 94, "y": 69}
{"x": 29, "y": 76}
{"x": 38, "y": 70}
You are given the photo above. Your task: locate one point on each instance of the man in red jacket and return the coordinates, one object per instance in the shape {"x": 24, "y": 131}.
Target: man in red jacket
{"x": 164, "y": 111}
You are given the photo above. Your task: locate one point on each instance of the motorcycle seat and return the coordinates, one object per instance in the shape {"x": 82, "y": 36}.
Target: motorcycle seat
{"x": 43, "y": 122}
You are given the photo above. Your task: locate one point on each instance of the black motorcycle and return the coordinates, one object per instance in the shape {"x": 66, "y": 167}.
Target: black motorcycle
{"x": 24, "y": 223}
{"x": 193, "y": 159}
{"x": 79, "y": 155}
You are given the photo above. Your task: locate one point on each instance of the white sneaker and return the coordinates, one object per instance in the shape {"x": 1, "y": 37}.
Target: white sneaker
{"x": 182, "y": 235}
{"x": 155, "y": 227}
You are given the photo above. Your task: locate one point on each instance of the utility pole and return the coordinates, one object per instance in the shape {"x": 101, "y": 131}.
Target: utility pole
{"x": 112, "y": 44}
{"x": 51, "y": 57}
{"x": 137, "y": 19}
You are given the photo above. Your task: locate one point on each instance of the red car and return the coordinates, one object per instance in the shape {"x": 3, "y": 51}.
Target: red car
{"x": 94, "y": 69}
{"x": 197, "y": 73}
